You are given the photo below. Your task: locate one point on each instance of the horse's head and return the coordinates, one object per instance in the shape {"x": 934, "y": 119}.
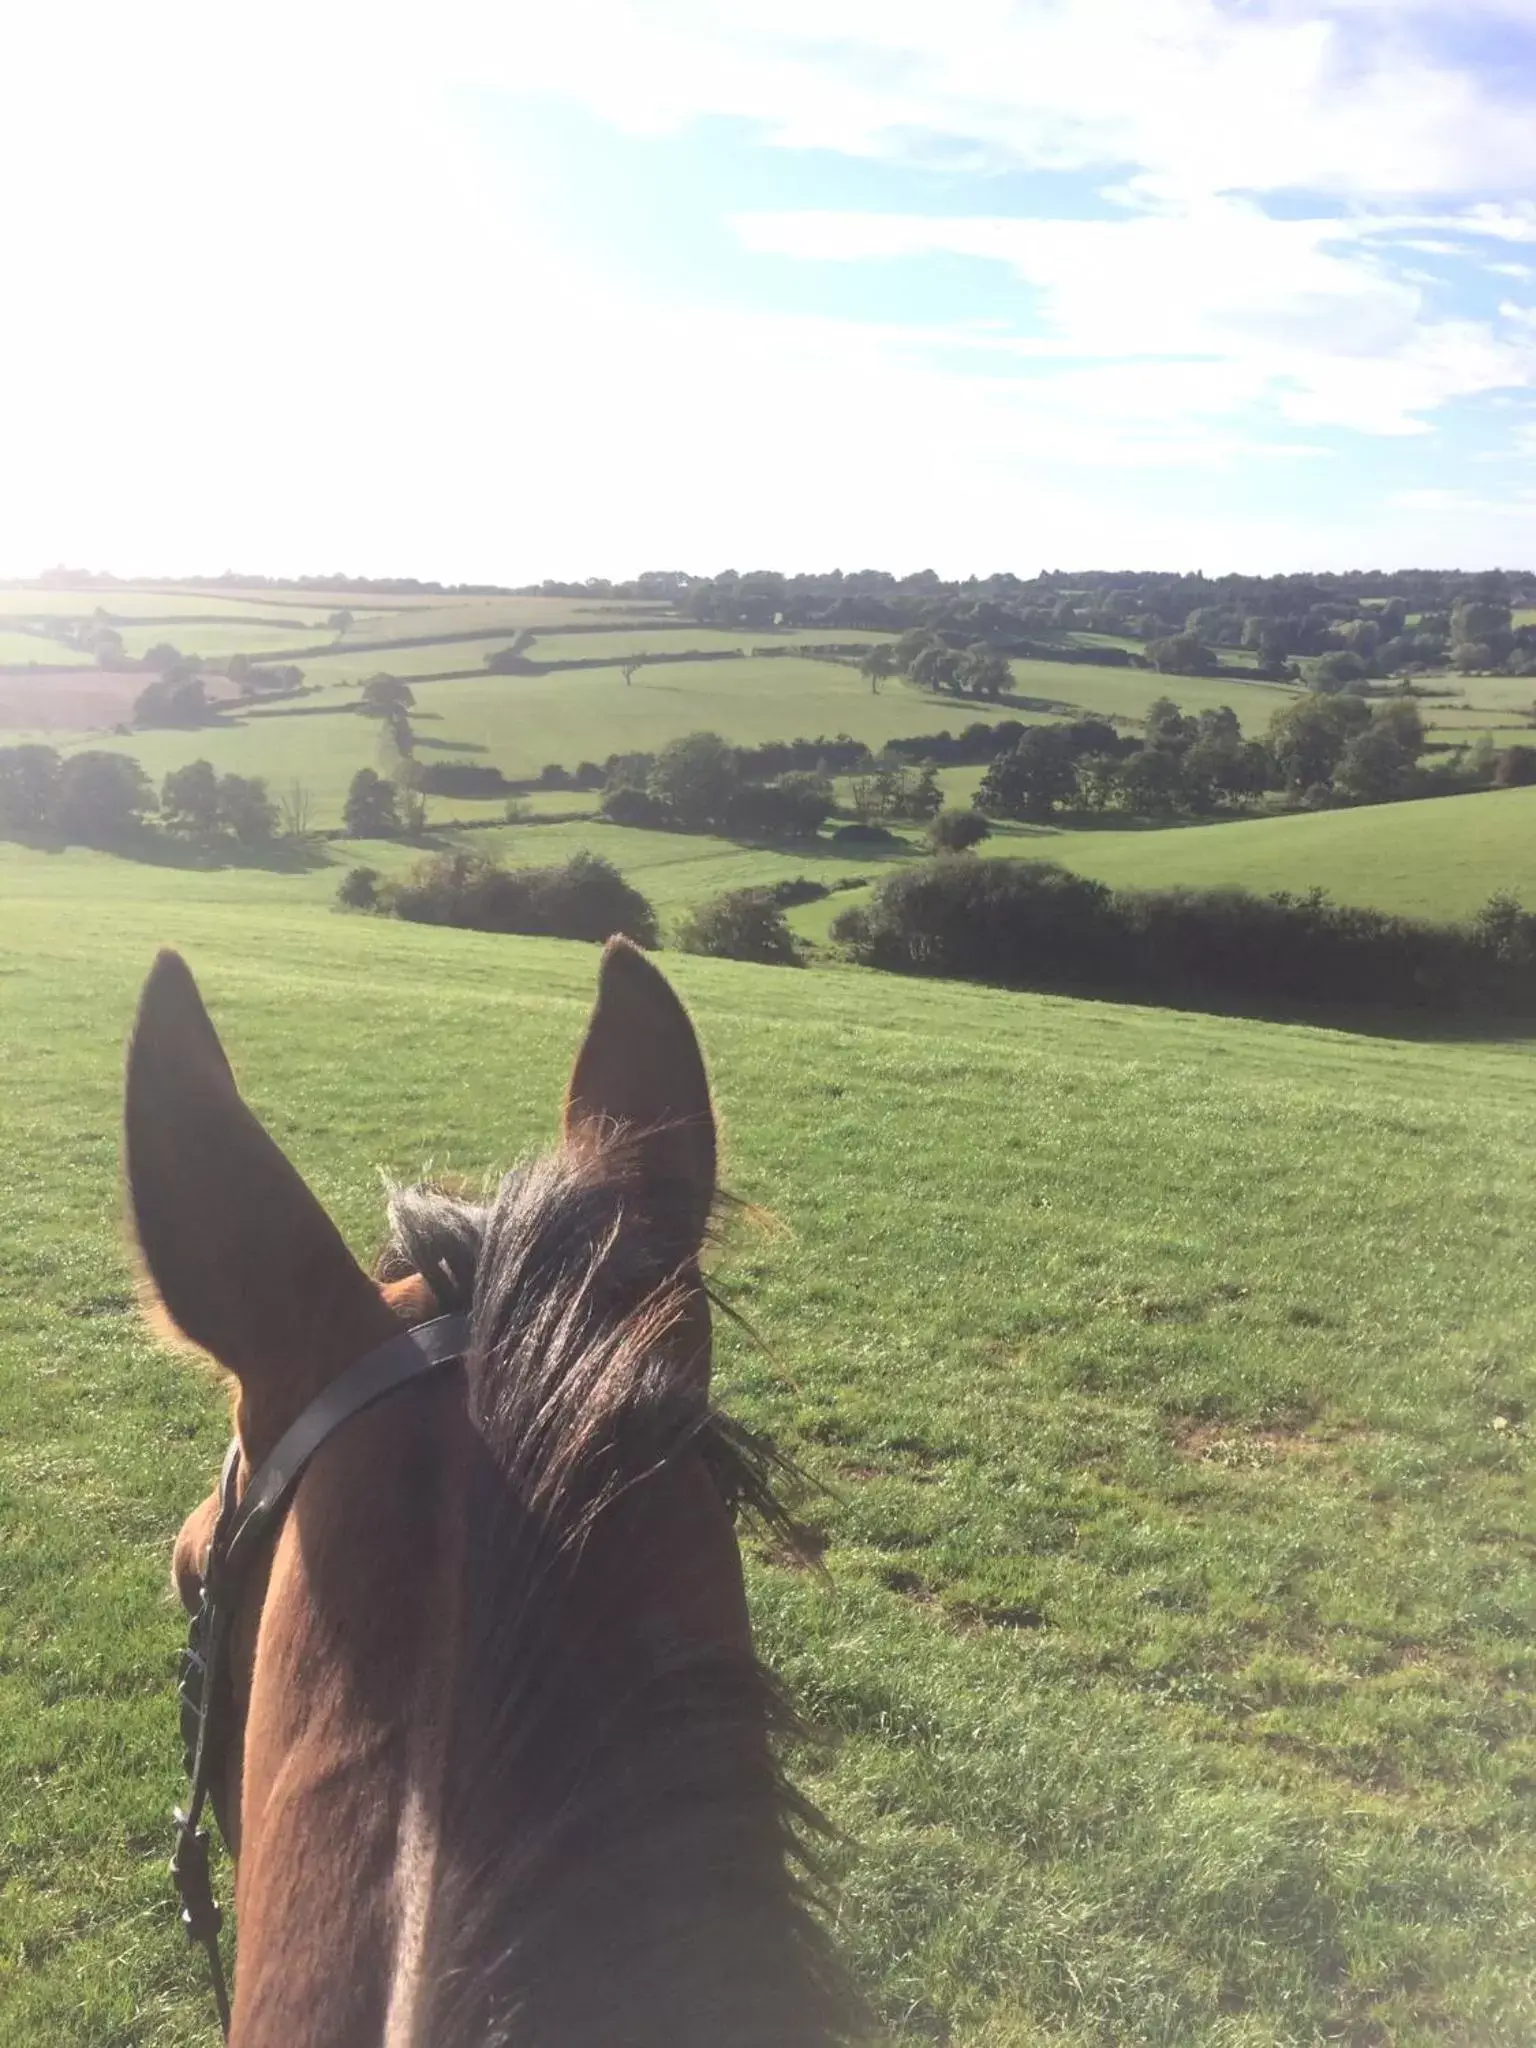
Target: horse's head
{"x": 494, "y": 1749}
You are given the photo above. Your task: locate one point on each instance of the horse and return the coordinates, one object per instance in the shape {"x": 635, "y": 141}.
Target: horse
{"x": 497, "y": 1762}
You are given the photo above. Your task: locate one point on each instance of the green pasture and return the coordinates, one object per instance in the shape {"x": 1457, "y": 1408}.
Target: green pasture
{"x": 1126, "y": 692}
{"x": 20, "y": 649}
{"x": 1169, "y": 1377}
{"x": 216, "y": 638}
{"x": 578, "y": 646}
{"x": 510, "y": 615}
{"x": 1439, "y": 858}
{"x": 519, "y": 723}
{"x": 35, "y": 600}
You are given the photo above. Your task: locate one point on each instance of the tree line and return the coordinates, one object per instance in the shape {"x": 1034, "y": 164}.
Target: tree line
{"x": 1033, "y": 925}
{"x": 104, "y": 799}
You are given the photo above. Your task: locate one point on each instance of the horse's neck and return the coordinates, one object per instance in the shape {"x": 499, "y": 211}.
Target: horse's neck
{"x": 344, "y": 1740}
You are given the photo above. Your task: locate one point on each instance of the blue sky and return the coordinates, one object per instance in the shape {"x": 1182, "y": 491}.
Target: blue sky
{"x": 476, "y": 291}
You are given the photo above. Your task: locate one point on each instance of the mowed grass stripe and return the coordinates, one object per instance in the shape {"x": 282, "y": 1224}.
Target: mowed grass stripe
{"x": 1175, "y": 1638}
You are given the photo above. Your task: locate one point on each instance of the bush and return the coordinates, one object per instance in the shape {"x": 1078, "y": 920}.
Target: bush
{"x": 1031, "y": 925}
{"x": 626, "y": 806}
{"x": 866, "y": 835}
{"x": 372, "y": 808}
{"x": 742, "y": 924}
{"x": 955, "y": 831}
{"x": 797, "y": 889}
{"x": 358, "y": 889}
{"x": 586, "y": 898}
{"x": 457, "y": 778}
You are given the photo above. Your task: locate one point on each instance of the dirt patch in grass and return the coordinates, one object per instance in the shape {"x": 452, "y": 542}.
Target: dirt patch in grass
{"x": 1226, "y": 1443}
{"x": 78, "y": 699}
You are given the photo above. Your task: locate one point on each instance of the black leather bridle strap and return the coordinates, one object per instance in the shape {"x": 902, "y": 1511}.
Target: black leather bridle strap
{"x": 406, "y": 1357}
{"x": 237, "y": 1536}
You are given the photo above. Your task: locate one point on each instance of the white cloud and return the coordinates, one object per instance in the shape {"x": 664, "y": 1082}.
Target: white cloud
{"x": 261, "y": 307}
{"x": 1298, "y": 314}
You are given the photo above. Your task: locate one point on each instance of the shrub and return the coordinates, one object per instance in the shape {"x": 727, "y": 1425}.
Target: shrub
{"x": 102, "y": 798}
{"x": 358, "y": 889}
{"x": 626, "y": 806}
{"x": 457, "y": 778}
{"x": 955, "y": 831}
{"x": 742, "y": 924}
{"x": 866, "y": 835}
{"x": 797, "y": 889}
{"x": 587, "y": 898}
{"x": 372, "y": 809}
{"x": 1031, "y": 925}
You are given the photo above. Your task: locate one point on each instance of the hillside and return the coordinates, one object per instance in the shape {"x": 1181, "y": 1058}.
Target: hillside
{"x": 1438, "y": 858}
{"x": 1171, "y": 1619}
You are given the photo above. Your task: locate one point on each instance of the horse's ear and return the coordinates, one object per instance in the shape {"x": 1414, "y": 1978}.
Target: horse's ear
{"x": 244, "y": 1259}
{"x": 640, "y": 1071}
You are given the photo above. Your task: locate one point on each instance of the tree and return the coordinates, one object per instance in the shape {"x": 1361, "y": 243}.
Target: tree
{"x": 189, "y": 800}
{"x": 168, "y": 660}
{"x": 102, "y": 797}
{"x": 983, "y": 672}
{"x": 1033, "y": 779}
{"x": 742, "y": 924}
{"x": 935, "y": 667}
{"x": 29, "y": 788}
{"x": 172, "y": 700}
{"x": 372, "y": 808}
{"x": 359, "y": 889}
{"x": 1183, "y": 654}
{"x": 1332, "y": 672}
{"x": 1515, "y": 768}
{"x": 1150, "y": 783}
{"x": 1308, "y": 736}
{"x": 245, "y": 809}
{"x": 339, "y": 623}
{"x": 695, "y": 777}
{"x": 956, "y": 831}
{"x": 1168, "y": 728}
{"x": 384, "y": 696}
{"x": 295, "y": 810}
{"x": 878, "y": 664}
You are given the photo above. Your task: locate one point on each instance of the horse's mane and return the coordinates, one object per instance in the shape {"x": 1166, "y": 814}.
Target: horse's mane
{"x": 620, "y": 1859}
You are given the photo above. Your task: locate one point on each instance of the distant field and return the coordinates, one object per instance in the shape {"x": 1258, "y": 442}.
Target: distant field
{"x": 35, "y": 650}
{"x": 218, "y": 637}
{"x": 71, "y": 706}
{"x": 507, "y": 615}
{"x": 1169, "y": 1376}
{"x": 36, "y": 601}
{"x": 573, "y": 646}
{"x": 518, "y": 723}
{"x": 1126, "y": 692}
{"x": 1439, "y": 858}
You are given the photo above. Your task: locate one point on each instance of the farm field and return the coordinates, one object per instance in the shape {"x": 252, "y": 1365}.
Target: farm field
{"x": 519, "y": 723}
{"x": 20, "y": 649}
{"x": 1170, "y": 1376}
{"x": 1440, "y": 858}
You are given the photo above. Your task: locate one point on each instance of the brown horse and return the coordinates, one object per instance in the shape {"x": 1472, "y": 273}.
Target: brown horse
{"x": 501, "y": 1761}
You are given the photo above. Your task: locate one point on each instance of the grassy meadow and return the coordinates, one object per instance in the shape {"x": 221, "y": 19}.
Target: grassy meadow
{"x": 1439, "y": 858}
{"x": 1168, "y": 1377}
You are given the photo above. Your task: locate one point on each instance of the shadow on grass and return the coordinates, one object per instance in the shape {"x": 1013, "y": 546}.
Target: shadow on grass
{"x": 164, "y": 850}
{"x": 1415, "y": 1026}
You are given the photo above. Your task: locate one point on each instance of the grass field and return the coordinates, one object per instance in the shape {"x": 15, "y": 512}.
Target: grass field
{"x": 519, "y": 723}
{"x": 1439, "y": 858}
{"x": 35, "y": 650}
{"x": 1170, "y": 1374}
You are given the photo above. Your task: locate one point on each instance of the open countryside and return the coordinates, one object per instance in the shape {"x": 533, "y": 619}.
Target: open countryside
{"x": 1163, "y": 1377}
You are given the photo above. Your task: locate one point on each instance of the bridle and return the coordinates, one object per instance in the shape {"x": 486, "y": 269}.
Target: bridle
{"x": 246, "y": 1519}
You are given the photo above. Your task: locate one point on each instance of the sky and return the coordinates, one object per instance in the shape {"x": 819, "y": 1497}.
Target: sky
{"x": 476, "y": 290}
